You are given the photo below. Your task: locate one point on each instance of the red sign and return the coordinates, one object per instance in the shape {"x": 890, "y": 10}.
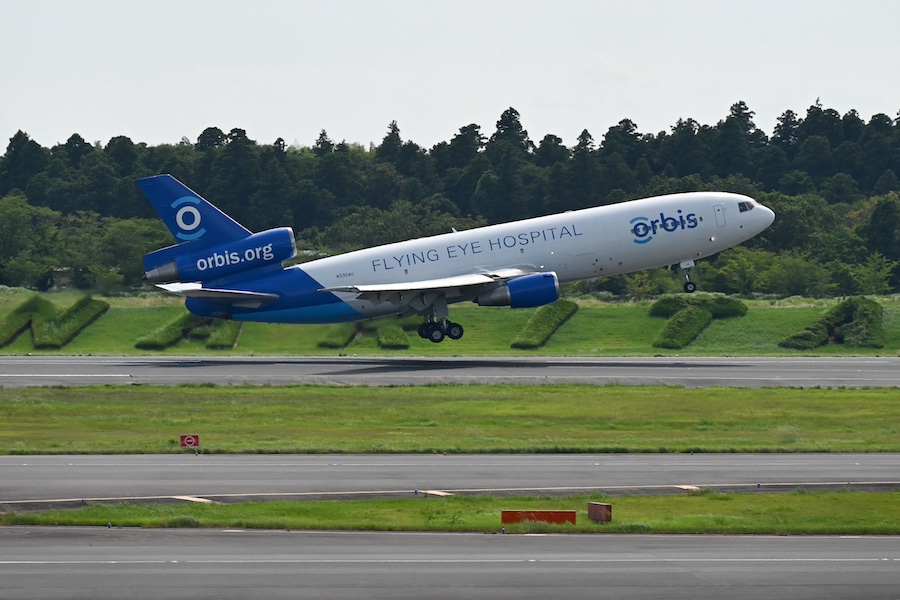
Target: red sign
{"x": 190, "y": 441}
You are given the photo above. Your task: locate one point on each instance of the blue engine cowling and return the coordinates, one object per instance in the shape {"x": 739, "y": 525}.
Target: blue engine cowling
{"x": 273, "y": 246}
{"x": 527, "y": 291}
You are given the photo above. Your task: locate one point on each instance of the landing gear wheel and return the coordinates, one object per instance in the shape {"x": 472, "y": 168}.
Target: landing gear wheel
{"x": 435, "y": 333}
{"x": 690, "y": 287}
{"x": 423, "y": 330}
{"x": 454, "y": 331}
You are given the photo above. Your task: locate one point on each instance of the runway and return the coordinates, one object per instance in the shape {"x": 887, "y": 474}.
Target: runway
{"x": 33, "y": 482}
{"x": 98, "y": 562}
{"x": 21, "y": 371}
{"x": 54, "y": 563}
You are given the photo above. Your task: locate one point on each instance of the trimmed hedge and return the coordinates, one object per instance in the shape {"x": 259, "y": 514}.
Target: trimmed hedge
{"x": 50, "y": 327}
{"x": 170, "y": 333}
{"x": 224, "y": 334}
{"x": 689, "y": 314}
{"x": 543, "y": 324}
{"x": 392, "y": 337}
{"x": 721, "y": 307}
{"x": 338, "y": 336}
{"x": 683, "y": 328}
{"x": 58, "y": 330}
{"x": 18, "y": 320}
{"x": 854, "y": 322}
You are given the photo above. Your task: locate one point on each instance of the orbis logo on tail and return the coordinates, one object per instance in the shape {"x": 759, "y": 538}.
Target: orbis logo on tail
{"x": 188, "y": 218}
{"x": 644, "y": 228}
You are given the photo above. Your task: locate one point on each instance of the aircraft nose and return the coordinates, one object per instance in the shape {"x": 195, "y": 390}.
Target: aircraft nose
{"x": 768, "y": 215}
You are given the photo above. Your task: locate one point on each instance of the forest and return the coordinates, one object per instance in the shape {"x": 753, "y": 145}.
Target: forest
{"x": 71, "y": 215}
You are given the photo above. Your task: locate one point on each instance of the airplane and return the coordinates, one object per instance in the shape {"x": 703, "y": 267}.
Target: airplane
{"x": 227, "y": 272}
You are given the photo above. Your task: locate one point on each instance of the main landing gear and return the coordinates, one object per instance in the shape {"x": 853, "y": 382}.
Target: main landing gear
{"x": 689, "y": 286}
{"x": 437, "y": 325}
{"x": 437, "y": 330}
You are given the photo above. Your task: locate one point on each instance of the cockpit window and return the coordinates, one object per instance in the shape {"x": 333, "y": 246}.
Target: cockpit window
{"x": 745, "y": 206}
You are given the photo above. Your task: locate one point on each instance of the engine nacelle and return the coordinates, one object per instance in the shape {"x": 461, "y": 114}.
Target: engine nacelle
{"x": 270, "y": 247}
{"x": 527, "y": 291}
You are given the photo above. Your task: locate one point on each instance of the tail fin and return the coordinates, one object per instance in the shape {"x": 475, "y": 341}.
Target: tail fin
{"x": 189, "y": 217}
{"x": 211, "y": 245}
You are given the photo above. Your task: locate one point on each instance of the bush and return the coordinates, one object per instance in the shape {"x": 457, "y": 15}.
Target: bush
{"x": 721, "y": 307}
{"x": 58, "y": 330}
{"x": 683, "y": 328}
{"x": 854, "y": 322}
{"x": 392, "y": 337}
{"x": 50, "y": 327}
{"x": 224, "y": 334}
{"x": 544, "y": 323}
{"x": 18, "y": 320}
{"x": 170, "y": 333}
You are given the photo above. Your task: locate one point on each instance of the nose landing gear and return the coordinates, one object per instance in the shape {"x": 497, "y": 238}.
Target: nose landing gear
{"x": 689, "y": 286}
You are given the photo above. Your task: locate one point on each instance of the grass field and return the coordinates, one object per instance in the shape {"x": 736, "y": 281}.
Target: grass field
{"x": 597, "y": 329}
{"x": 459, "y": 419}
{"x": 304, "y": 419}
{"x": 841, "y": 513}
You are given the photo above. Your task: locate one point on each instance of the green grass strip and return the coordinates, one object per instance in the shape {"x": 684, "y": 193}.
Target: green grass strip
{"x": 820, "y": 513}
{"x": 447, "y": 418}
{"x": 170, "y": 333}
{"x": 544, "y": 323}
{"x": 59, "y": 329}
{"x": 338, "y": 336}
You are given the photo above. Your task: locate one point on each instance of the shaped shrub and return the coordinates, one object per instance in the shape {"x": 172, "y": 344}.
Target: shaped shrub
{"x": 854, "y": 322}
{"x": 543, "y": 324}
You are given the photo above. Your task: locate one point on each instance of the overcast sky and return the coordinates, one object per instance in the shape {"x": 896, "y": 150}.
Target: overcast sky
{"x": 160, "y": 70}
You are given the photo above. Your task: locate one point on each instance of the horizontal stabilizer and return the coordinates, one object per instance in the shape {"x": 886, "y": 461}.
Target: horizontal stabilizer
{"x": 240, "y": 298}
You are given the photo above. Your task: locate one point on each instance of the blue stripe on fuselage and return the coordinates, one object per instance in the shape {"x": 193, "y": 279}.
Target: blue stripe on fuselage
{"x": 300, "y": 300}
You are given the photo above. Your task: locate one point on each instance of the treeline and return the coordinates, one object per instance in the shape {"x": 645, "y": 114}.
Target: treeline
{"x": 831, "y": 178}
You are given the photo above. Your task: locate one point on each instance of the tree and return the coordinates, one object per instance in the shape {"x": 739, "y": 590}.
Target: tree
{"x": 882, "y": 231}
{"x": 873, "y": 276}
{"x": 210, "y": 139}
{"x": 786, "y": 132}
{"x": 389, "y": 150}
{"x": 123, "y": 154}
{"x": 551, "y": 151}
{"x": 584, "y": 175}
{"x": 323, "y": 146}
{"x": 731, "y": 151}
{"x": 24, "y": 159}
{"x": 686, "y": 148}
{"x": 465, "y": 146}
{"x": 28, "y": 249}
{"x": 840, "y": 188}
{"x": 740, "y": 268}
{"x": 814, "y": 157}
{"x": 795, "y": 274}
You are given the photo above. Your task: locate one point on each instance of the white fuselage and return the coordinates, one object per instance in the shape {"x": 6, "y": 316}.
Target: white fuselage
{"x": 583, "y": 244}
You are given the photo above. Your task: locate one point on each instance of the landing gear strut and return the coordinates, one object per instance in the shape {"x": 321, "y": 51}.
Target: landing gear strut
{"x": 689, "y": 286}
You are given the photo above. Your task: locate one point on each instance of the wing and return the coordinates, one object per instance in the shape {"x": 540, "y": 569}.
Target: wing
{"x": 418, "y": 295}
{"x": 241, "y": 298}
